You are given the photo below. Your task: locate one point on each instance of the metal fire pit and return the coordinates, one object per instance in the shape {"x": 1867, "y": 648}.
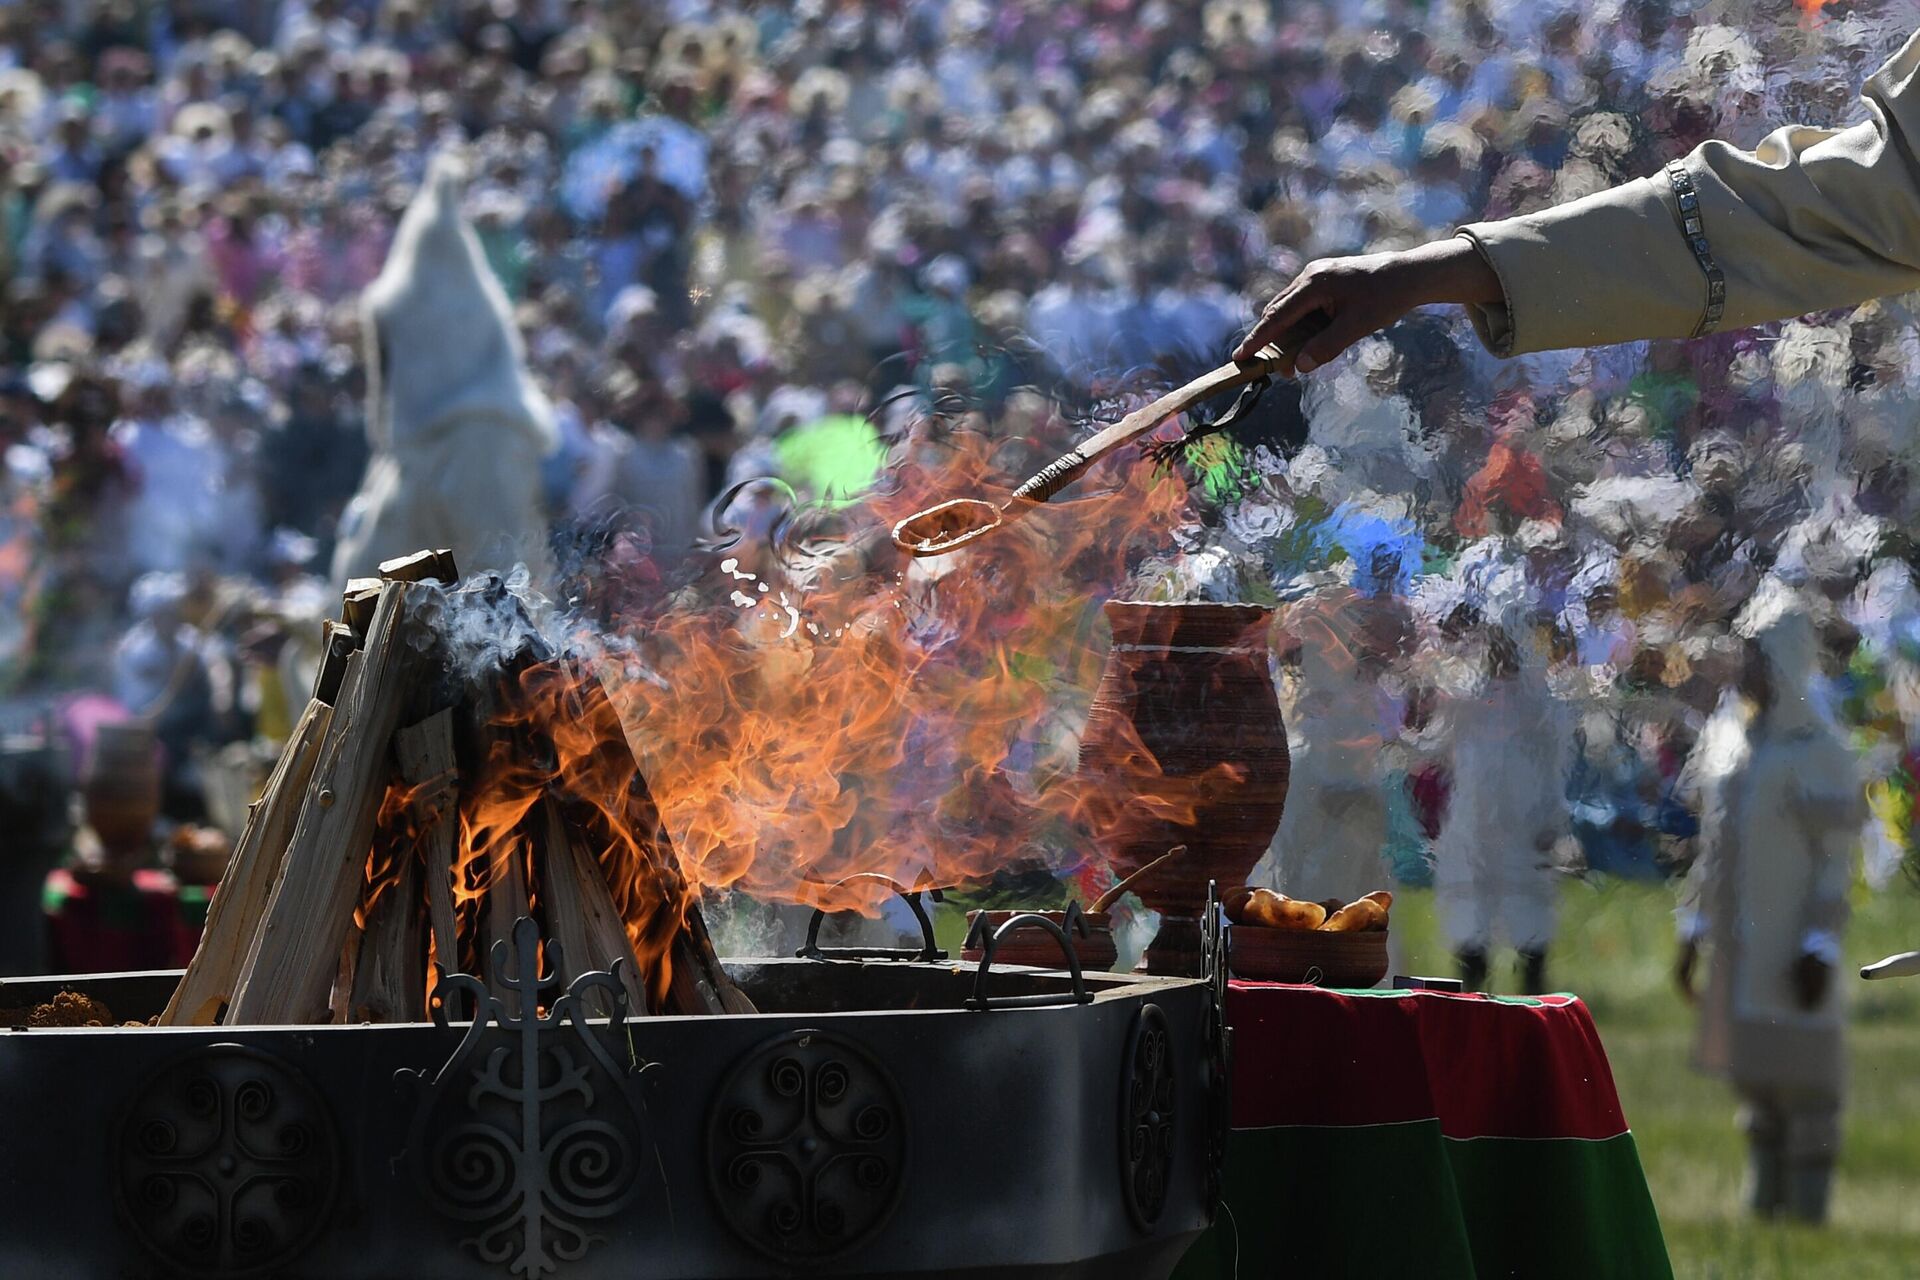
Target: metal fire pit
{"x": 873, "y": 1120}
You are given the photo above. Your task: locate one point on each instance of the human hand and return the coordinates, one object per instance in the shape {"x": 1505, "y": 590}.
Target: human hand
{"x": 1811, "y": 975}
{"x": 1683, "y": 967}
{"x": 1335, "y": 302}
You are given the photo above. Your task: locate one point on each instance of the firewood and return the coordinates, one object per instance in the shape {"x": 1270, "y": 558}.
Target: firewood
{"x": 425, "y": 753}
{"x": 506, "y": 903}
{"x": 242, "y": 895}
{"x": 298, "y": 944}
{"x": 422, "y": 566}
{"x": 389, "y": 976}
{"x": 701, "y": 983}
{"x": 340, "y": 992}
{"x": 338, "y": 644}
{"x": 358, "y": 602}
{"x": 697, "y": 982}
{"x": 580, "y": 912}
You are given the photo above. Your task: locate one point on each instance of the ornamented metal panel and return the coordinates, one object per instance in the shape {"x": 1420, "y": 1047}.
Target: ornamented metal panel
{"x": 1148, "y": 1117}
{"x": 531, "y": 1131}
{"x": 1215, "y": 962}
{"x": 227, "y": 1164}
{"x": 807, "y": 1147}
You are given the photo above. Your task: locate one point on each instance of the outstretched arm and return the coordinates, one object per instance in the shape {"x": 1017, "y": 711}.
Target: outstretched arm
{"x": 1808, "y": 220}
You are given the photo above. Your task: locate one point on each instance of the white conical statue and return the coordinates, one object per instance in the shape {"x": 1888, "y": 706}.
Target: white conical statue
{"x": 457, "y": 425}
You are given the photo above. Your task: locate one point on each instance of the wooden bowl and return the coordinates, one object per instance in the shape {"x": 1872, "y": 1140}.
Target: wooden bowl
{"x": 1312, "y": 956}
{"x": 1037, "y": 947}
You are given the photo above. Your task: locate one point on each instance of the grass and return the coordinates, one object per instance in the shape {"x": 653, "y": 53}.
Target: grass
{"x": 1614, "y": 950}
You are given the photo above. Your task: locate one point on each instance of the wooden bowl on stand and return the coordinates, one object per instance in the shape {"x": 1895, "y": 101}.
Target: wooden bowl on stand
{"x": 1035, "y": 946}
{"x": 1312, "y": 956}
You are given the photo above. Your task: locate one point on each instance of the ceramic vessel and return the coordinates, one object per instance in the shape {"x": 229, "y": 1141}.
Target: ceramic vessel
{"x": 1184, "y": 745}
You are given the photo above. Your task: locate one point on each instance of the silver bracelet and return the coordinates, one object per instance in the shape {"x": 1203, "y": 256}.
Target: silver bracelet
{"x": 1693, "y": 226}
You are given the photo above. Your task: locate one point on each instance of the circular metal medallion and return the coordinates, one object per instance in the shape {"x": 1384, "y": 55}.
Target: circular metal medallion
{"x": 1148, "y": 1121}
{"x": 227, "y": 1164}
{"x": 807, "y": 1147}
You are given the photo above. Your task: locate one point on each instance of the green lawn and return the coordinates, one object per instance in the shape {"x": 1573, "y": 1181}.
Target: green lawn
{"x": 1615, "y": 947}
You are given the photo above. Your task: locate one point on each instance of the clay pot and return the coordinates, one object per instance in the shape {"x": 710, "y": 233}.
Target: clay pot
{"x": 1308, "y": 955}
{"x": 1184, "y": 745}
{"x": 1037, "y": 947}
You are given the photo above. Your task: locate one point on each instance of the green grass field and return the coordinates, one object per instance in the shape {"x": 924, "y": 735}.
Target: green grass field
{"x": 1614, "y": 951}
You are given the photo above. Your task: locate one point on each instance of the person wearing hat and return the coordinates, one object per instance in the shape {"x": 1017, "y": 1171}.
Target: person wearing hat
{"x": 456, "y": 424}
{"x": 1810, "y": 220}
{"x": 1781, "y": 802}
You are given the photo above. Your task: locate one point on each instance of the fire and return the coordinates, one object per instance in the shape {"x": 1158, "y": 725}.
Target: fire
{"x": 803, "y": 718}
{"x": 803, "y": 722}
{"x": 806, "y": 726}
{"x": 554, "y": 733}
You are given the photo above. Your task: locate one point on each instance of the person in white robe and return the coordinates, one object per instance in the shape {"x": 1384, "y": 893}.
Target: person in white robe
{"x": 1781, "y": 801}
{"x": 457, "y": 426}
{"x": 1494, "y": 879}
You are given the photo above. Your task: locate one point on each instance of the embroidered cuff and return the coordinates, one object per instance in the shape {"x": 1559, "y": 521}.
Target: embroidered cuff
{"x": 1693, "y": 226}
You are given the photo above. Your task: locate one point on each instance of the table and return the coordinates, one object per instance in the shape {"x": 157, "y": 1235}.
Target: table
{"x": 1421, "y": 1134}
{"x": 101, "y": 924}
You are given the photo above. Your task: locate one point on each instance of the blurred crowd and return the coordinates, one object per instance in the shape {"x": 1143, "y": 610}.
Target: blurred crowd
{"x": 744, "y": 239}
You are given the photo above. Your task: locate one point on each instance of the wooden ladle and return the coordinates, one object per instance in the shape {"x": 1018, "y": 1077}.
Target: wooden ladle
{"x": 952, "y": 525}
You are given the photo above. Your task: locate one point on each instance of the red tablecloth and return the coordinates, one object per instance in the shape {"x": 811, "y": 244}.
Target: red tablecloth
{"x": 1391, "y": 1133}
{"x": 101, "y": 925}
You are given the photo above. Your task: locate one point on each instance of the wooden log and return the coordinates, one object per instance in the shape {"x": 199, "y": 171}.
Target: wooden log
{"x": 422, "y": 566}
{"x": 700, "y": 983}
{"x": 580, "y": 913}
{"x": 338, "y": 643}
{"x": 242, "y": 895}
{"x": 425, "y": 753}
{"x": 390, "y": 975}
{"x": 358, "y": 602}
{"x": 506, "y": 903}
{"x": 697, "y": 983}
{"x": 340, "y": 993}
{"x": 296, "y": 950}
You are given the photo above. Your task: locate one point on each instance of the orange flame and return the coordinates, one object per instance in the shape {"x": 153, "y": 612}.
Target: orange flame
{"x": 802, "y": 719}
{"x": 800, "y": 716}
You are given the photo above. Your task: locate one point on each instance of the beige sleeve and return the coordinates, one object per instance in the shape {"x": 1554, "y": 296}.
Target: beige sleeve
{"x": 1809, "y": 220}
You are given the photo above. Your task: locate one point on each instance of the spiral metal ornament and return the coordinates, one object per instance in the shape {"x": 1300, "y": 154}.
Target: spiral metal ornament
{"x": 806, "y": 1147}
{"x": 529, "y": 1134}
{"x": 227, "y": 1164}
{"x": 1149, "y": 1119}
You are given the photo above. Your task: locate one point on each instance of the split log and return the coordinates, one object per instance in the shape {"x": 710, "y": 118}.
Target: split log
{"x": 337, "y": 645}
{"x": 581, "y": 915}
{"x": 243, "y": 891}
{"x": 358, "y": 602}
{"x": 425, "y": 753}
{"x": 422, "y": 566}
{"x": 506, "y": 903}
{"x": 701, "y": 983}
{"x": 296, "y": 951}
{"x": 697, "y": 982}
{"x": 340, "y": 994}
{"x": 390, "y": 975}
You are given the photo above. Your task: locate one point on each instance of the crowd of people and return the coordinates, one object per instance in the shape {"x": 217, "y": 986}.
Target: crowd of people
{"x": 742, "y": 239}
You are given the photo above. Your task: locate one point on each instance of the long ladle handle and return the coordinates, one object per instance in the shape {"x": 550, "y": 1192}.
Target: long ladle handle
{"x": 1066, "y": 468}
